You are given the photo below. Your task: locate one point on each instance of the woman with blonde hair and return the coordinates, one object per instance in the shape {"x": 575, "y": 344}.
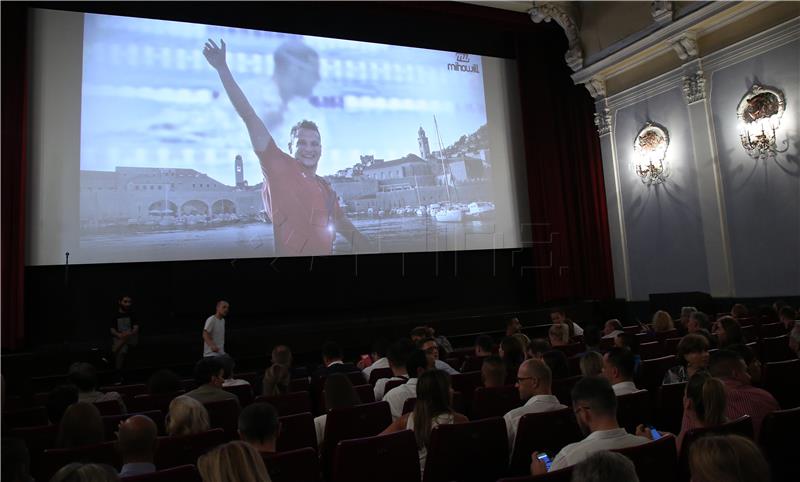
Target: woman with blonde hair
{"x": 79, "y": 472}
{"x": 591, "y": 364}
{"x": 662, "y": 321}
{"x": 276, "y": 380}
{"x": 186, "y": 416}
{"x": 235, "y": 461}
{"x": 727, "y": 458}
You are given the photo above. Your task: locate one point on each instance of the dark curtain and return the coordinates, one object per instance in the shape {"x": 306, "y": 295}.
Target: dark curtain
{"x": 14, "y": 173}
{"x": 571, "y": 247}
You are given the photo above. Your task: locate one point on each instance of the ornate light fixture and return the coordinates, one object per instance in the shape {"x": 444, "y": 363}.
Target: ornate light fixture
{"x": 650, "y": 150}
{"x": 759, "y": 113}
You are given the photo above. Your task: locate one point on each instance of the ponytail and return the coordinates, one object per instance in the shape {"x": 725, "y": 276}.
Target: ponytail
{"x": 708, "y": 398}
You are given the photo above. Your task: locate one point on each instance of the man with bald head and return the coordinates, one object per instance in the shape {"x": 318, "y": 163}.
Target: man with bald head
{"x": 136, "y": 442}
{"x": 534, "y": 381}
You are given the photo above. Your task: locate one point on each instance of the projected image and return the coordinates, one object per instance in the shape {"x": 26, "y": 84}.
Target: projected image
{"x": 205, "y": 141}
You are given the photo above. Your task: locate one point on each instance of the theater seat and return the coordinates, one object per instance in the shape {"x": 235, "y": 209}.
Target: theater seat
{"x": 779, "y": 441}
{"x": 301, "y": 465}
{"x": 182, "y": 450}
{"x": 656, "y": 461}
{"x": 562, "y": 388}
{"x": 472, "y": 364}
{"x": 243, "y": 392}
{"x": 393, "y": 384}
{"x": 37, "y": 439}
{"x": 670, "y": 346}
{"x": 467, "y": 451}
{"x": 109, "y": 407}
{"x": 651, "y": 372}
{"x": 182, "y": 473}
{"x": 53, "y": 459}
{"x": 782, "y": 379}
{"x": 128, "y": 391}
{"x": 562, "y": 475}
{"x": 363, "y": 420}
{"x": 388, "y": 458}
{"x": 771, "y": 329}
{"x": 633, "y": 409}
{"x": 379, "y": 373}
{"x": 494, "y": 401}
{"x": 542, "y": 432}
{"x": 297, "y": 432}
{"x": 289, "y": 403}
{"x": 776, "y": 348}
{"x": 466, "y": 383}
{"x": 224, "y": 414}
{"x": 147, "y": 402}
{"x": 365, "y": 394}
{"x": 26, "y": 417}
{"x": 741, "y": 426}
{"x": 650, "y": 350}
{"x": 669, "y": 408}
{"x": 300, "y": 385}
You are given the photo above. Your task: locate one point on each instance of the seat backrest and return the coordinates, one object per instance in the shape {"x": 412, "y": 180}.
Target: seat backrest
{"x": 53, "y": 459}
{"x": 467, "y": 451}
{"x": 669, "y": 407}
{"x": 378, "y": 373}
{"x": 37, "y": 439}
{"x": 650, "y": 350}
{"x": 111, "y": 422}
{"x": 562, "y": 388}
{"x": 243, "y": 392}
{"x": 389, "y": 458}
{"x": 301, "y": 465}
{"x": 655, "y": 461}
{"x": 771, "y": 329}
{"x": 571, "y": 349}
{"x": 494, "y": 401}
{"x": 561, "y": 475}
{"x": 409, "y": 404}
{"x": 779, "y": 440}
{"x": 365, "y": 393}
{"x": 289, "y": 403}
{"x": 633, "y": 409}
{"x": 670, "y": 346}
{"x": 182, "y": 473}
{"x": 542, "y": 432}
{"x": 466, "y": 383}
{"x": 300, "y": 385}
{"x": 108, "y": 407}
{"x": 224, "y": 414}
{"x": 472, "y": 364}
{"x": 741, "y": 426}
{"x": 26, "y": 417}
{"x": 126, "y": 390}
{"x": 365, "y": 420}
{"x": 297, "y": 432}
{"x": 782, "y": 379}
{"x": 147, "y": 402}
{"x": 184, "y": 449}
{"x": 394, "y": 384}
{"x": 663, "y": 335}
{"x": 651, "y": 372}
{"x": 776, "y": 348}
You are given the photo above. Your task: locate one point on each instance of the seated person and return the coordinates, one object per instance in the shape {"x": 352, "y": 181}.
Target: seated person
{"x": 282, "y": 355}
{"x": 513, "y": 326}
{"x": 693, "y": 355}
{"x": 662, "y": 322}
{"x": 483, "y": 346}
{"x": 591, "y": 364}
{"x": 434, "y": 407}
{"x": 794, "y": 339}
{"x": 84, "y": 376}
{"x": 58, "y": 400}
{"x": 559, "y": 316}
{"x": 431, "y": 348}
{"x": 605, "y": 466}
{"x": 259, "y": 426}
{"x": 81, "y": 425}
{"x": 235, "y": 461}
{"x": 186, "y": 416}
{"x": 416, "y": 364}
{"x": 618, "y": 366}
{"x": 686, "y": 314}
{"x": 493, "y": 372}
{"x": 332, "y": 360}
{"x": 136, "y": 442}
{"x": 377, "y": 358}
{"x": 398, "y": 354}
{"x": 559, "y": 335}
{"x": 209, "y": 374}
{"x": 512, "y": 352}
{"x": 80, "y": 472}
{"x": 631, "y": 342}
{"x": 739, "y": 311}
{"x": 787, "y": 316}
{"x": 595, "y": 407}
{"x": 537, "y": 348}
{"x": 276, "y": 380}
{"x": 534, "y": 382}
{"x": 339, "y": 393}
{"x": 612, "y": 328}
{"x": 727, "y": 457}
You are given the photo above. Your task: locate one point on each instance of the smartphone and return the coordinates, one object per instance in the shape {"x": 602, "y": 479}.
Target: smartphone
{"x": 654, "y": 433}
{"x": 544, "y": 458}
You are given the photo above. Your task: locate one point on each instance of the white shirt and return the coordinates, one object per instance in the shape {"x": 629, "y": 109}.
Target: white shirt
{"x": 624, "y": 388}
{"x": 576, "y": 452}
{"x": 578, "y": 329}
{"x": 397, "y": 397}
{"x": 380, "y": 386}
{"x": 535, "y": 404}
{"x": 440, "y": 365}
{"x": 379, "y": 363}
{"x": 613, "y": 334}
{"x": 319, "y": 426}
{"x": 216, "y": 328}
{"x": 234, "y": 382}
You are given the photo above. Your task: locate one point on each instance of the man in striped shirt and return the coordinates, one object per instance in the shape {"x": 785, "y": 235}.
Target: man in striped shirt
{"x": 743, "y": 398}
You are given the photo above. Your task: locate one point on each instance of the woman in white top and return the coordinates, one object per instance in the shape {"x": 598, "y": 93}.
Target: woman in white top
{"x": 434, "y": 407}
{"x": 338, "y": 393}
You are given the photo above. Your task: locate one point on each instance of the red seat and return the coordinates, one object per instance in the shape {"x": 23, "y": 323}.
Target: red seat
{"x": 185, "y": 449}
{"x": 243, "y": 392}
{"x": 494, "y": 401}
{"x": 54, "y": 459}
{"x": 301, "y": 465}
{"x": 466, "y": 383}
{"x": 472, "y": 364}
{"x": 300, "y": 385}
{"x": 655, "y": 461}
{"x": 562, "y": 388}
{"x": 572, "y": 349}
{"x": 297, "y": 432}
{"x": 182, "y": 473}
{"x": 26, "y": 417}
{"x": 409, "y": 404}
{"x": 561, "y": 475}
{"x": 111, "y": 422}
{"x": 542, "y": 432}
{"x": 388, "y": 458}
{"x": 669, "y": 407}
{"x": 224, "y": 414}
{"x": 749, "y": 333}
{"x": 378, "y": 373}
{"x": 776, "y": 348}
{"x": 109, "y": 407}
{"x": 670, "y": 346}
{"x": 394, "y": 384}
{"x": 467, "y": 451}
{"x": 364, "y": 420}
{"x": 147, "y": 402}
{"x": 782, "y": 380}
{"x": 574, "y": 365}
{"x": 663, "y": 335}
{"x": 779, "y": 441}
{"x": 650, "y": 350}
{"x": 365, "y": 394}
{"x": 633, "y": 409}
{"x": 126, "y": 390}
{"x": 771, "y": 330}
{"x": 289, "y": 403}
{"x": 651, "y": 372}
{"x": 37, "y": 439}
{"x": 741, "y": 426}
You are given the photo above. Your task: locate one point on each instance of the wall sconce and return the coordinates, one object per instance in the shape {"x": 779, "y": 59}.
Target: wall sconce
{"x": 759, "y": 113}
{"x": 650, "y": 150}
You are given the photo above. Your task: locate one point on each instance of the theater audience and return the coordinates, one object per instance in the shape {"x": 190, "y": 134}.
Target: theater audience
{"x": 719, "y": 458}
{"x": 524, "y": 341}
{"x": 631, "y": 342}
{"x": 686, "y": 314}
{"x": 276, "y": 380}
{"x": 58, "y": 400}
{"x": 209, "y": 375}
{"x": 484, "y": 346}
{"x": 416, "y": 365}
{"x": 16, "y": 461}
{"x": 136, "y": 442}
{"x": 186, "y": 416}
{"x": 605, "y": 466}
{"x": 742, "y": 397}
{"x": 513, "y": 326}
{"x": 493, "y": 372}
{"x": 698, "y": 321}
{"x": 787, "y": 317}
{"x": 332, "y": 360}
{"x": 559, "y": 335}
{"x": 557, "y": 361}
{"x": 730, "y": 336}
{"x": 84, "y": 376}
{"x": 434, "y": 407}
{"x": 259, "y": 426}
{"x": 163, "y": 382}
{"x": 338, "y": 393}
{"x": 431, "y": 349}
{"x": 794, "y": 339}
{"x": 595, "y": 407}
{"x": 612, "y": 328}
{"x": 662, "y": 322}
{"x": 591, "y": 364}
{"x": 538, "y": 347}
{"x": 79, "y": 472}
{"x": 399, "y": 352}
{"x": 618, "y": 366}
{"x": 81, "y": 425}
{"x": 282, "y": 355}
{"x": 693, "y": 356}
{"x": 739, "y": 311}
{"x": 534, "y": 382}
{"x": 559, "y": 316}
{"x": 377, "y": 358}
{"x": 235, "y": 461}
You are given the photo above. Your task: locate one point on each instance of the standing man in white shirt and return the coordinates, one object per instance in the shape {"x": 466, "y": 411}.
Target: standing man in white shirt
{"x": 618, "y": 367}
{"x": 595, "y": 407}
{"x": 214, "y": 331}
{"x": 416, "y": 365}
{"x": 534, "y": 380}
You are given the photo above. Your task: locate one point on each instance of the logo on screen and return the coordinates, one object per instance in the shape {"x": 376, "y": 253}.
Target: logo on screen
{"x": 462, "y": 58}
{"x": 462, "y": 64}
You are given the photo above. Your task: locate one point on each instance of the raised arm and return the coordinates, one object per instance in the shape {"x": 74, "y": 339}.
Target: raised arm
{"x": 259, "y": 135}
{"x": 345, "y": 227}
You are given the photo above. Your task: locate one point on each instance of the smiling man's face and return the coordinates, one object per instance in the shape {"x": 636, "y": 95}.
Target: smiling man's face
{"x": 307, "y": 147}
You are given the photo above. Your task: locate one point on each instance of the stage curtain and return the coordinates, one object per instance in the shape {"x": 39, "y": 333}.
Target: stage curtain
{"x": 571, "y": 247}
{"x": 13, "y": 178}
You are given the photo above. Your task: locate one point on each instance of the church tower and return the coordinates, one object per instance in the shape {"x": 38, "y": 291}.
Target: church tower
{"x": 239, "y": 171}
{"x": 424, "y": 147}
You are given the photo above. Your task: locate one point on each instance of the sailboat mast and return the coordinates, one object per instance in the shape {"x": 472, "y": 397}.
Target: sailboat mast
{"x": 441, "y": 158}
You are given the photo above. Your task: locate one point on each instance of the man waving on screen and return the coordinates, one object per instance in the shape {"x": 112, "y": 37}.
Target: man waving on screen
{"x": 303, "y": 207}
